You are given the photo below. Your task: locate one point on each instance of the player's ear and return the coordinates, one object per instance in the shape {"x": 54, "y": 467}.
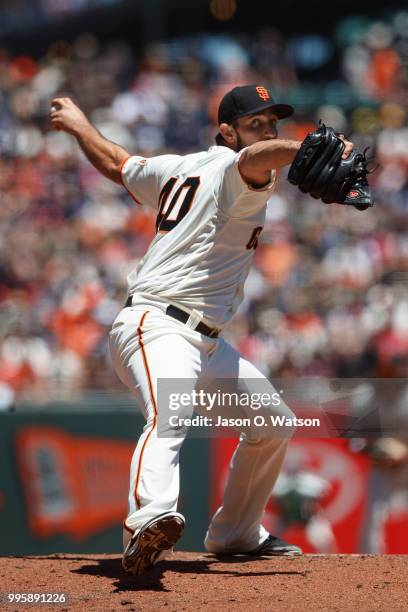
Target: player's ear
{"x": 228, "y": 133}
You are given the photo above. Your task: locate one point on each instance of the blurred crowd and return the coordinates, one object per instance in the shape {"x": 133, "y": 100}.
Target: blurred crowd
{"x": 328, "y": 292}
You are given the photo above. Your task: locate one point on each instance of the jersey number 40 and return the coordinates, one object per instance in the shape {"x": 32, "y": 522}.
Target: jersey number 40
{"x": 171, "y": 212}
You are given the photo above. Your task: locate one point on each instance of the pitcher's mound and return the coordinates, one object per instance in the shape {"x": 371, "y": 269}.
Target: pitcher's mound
{"x": 198, "y": 581}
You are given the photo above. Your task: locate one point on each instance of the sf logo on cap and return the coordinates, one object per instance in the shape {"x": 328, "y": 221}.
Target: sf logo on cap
{"x": 263, "y": 93}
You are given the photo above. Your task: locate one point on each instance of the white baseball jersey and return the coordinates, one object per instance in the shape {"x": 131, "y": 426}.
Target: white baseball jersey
{"x": 208, "y": 225}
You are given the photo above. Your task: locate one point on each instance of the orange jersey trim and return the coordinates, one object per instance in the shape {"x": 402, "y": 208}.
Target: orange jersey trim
{"x": 123, "y": 182}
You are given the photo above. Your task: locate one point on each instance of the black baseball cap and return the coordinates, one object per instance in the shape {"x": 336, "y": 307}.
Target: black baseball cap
{"x": 249, "y": 99}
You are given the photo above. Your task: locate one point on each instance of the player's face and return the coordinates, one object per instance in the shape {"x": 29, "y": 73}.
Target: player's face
{"x": 256, "y": 127}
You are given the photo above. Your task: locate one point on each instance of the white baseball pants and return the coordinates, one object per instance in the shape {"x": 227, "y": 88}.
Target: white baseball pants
{"x": 147, "y": 345}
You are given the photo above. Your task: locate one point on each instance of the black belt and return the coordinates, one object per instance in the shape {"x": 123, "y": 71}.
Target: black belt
{"x": 183, "y": 317}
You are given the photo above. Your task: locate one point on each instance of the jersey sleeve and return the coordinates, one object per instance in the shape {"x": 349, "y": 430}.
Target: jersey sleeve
{"x": 235, "y": 195}
{"x": 143, "y": 176}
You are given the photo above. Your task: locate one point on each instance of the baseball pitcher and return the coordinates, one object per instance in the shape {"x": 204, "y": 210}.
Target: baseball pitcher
{"x": 210, "y": 210}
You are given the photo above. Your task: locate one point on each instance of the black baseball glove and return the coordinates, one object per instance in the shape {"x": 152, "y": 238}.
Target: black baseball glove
{"x": 319, "y": 170}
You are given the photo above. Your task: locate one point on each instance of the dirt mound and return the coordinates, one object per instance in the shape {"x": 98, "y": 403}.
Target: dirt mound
{"x": 200, "y": 581}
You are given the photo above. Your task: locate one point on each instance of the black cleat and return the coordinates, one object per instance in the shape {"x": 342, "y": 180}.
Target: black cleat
{"x": 156, "y": 536}
{"x": 274, "y": 546}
